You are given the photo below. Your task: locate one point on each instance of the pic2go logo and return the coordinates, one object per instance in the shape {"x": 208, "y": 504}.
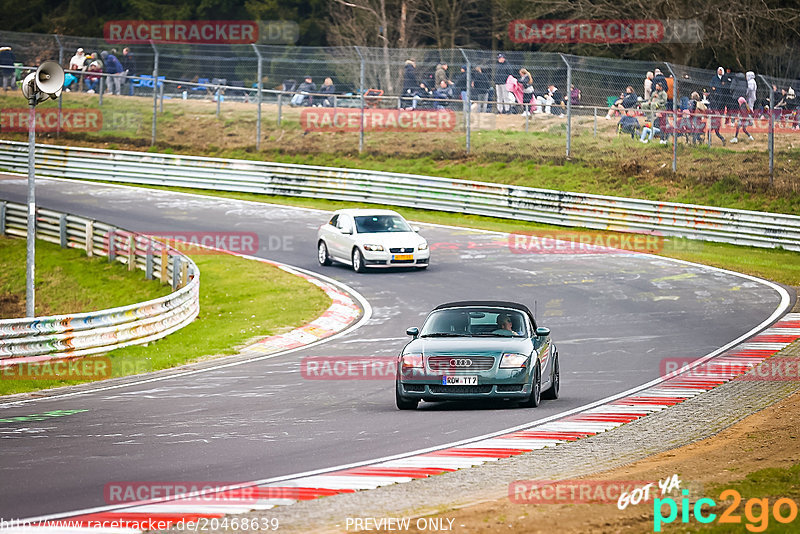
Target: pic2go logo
{"x": 756, "y": 511}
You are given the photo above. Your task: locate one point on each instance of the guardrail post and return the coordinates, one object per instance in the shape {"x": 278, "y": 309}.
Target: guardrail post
{"x": 258, "y": 98}
{"x": 771, "y": 133}
{"x": 164, "y": 265}
{"x": 176, "y": 272}
{"x": 62, "y": 230}
{"x": 155, "y": 94}
{"x": 184, "y": 274}
{"x": 89, "y": 238}
{"x": 112, "y": 245}
{"x": 131, "y": 253}
{"x": 3, "y": 217}
{"x": 148, "y": 261}
{"x": 568, "y": 92}
{"x": 361, "y": 92}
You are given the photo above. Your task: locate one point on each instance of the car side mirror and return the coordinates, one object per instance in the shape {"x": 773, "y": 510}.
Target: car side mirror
{"x": 415, "y": 229}
{"x": 413, "y": 331}
{"x": 347, "y": 231}
{"x": 542, "y": 331}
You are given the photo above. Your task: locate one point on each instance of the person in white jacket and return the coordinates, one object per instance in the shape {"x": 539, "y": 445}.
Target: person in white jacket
{"x": 751, "y": 89}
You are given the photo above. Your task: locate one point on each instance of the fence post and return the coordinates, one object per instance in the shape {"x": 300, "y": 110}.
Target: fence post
{"x": 155, "y": 93}
{"x": 184, "y": 279}
{"x": 62, "y": 230}
{"x": 160, "y": 96}
{"x": 771, "y": 133}
{"x": 569, "y": 105}
{"x": 595, "y": 122}
{"x": 258, "y": 98}
{"x": 3, "y": 217}
{"x": 468, "y": 114}
{"x": 100, "y": 88}
{"x": 674, "y": 118}
{"x": 280, "y": 107}
{"x": 60, "y": 97}
{"x": 361, "y": 92}
{"x": 164, "y": 264}
{"x": 218, "y": 95}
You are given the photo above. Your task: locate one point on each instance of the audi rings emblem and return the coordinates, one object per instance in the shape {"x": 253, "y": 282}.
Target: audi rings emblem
{"x": 460, "y": 362}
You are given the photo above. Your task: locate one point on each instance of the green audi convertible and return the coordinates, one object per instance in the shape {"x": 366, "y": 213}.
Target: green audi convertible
{"x": 478, "y": 350}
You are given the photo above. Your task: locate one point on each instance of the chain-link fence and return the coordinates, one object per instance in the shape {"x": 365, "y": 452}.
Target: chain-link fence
{"x": 624, "y": 116}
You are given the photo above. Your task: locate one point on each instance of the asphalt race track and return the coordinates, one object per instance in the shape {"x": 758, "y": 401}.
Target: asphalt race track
{"x": 614, "y": 317}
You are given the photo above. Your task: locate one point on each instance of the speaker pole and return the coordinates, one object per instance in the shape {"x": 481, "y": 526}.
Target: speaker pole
{"x": 31, "y": 234}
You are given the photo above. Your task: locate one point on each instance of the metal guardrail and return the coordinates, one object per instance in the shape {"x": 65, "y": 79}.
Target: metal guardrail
{"x": 101, "y": 331}
{"x": 561, "y": 208}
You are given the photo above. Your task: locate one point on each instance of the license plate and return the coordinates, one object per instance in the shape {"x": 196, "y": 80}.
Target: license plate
{"x": 460, "y": 380}
{"x": 402, "y": 257}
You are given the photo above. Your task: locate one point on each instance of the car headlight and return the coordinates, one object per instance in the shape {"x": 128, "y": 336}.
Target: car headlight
{"x": 422, "y": 246}
{"x": 373, "y": 248}
{"x": 512, "y": 360}
{"x": 412, "y": 360}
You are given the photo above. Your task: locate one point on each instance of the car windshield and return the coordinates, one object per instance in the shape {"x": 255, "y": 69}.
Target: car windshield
{"x": 372, "y": 224}
{"x": 472, "y": 322}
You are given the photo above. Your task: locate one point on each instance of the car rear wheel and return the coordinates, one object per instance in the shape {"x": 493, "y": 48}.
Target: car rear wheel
{"x": 322, "y": 254}
{"x": 403, "y": 403}
{"x": 358, "y": 261}
{"x": 536, "y": 390}
{"x": 555, "y": 384}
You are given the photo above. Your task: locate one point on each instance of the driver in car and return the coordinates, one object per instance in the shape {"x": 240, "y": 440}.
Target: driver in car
{"x": 504, "y": 326}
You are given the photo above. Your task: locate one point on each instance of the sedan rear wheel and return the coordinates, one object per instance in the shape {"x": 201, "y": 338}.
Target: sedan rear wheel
{"x": 536, "y": 390}
{"x": 358, "y": 261}
{"x": 322, "y": 254}
{"x": 403, "y": 403}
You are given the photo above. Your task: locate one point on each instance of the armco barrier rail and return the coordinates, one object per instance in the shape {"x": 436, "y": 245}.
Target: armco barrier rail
{"x": 101, "y": 331}
{"x": 494, "y": 200}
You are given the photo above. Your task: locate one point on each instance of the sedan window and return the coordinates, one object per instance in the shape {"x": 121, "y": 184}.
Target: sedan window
{"x": 373, "y": 224}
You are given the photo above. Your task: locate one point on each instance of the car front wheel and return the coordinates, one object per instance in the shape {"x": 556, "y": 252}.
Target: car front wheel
{"x": 555, "y": 384}
{"x": 358, "y": 261}
{"x": 403, "y": 403}
{"x": 536, "y": 389}
{"x": 322, "y": 254}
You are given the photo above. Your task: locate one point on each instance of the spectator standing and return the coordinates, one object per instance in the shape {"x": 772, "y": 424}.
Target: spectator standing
{"x": 114, "y": 69}
{"x": 460, "y": 86}
{"x": 752, "y": 87}
{"x": 412, "y": 86}
{"x": 501, "y": 73}
{"x": 7, "y": 69}
{"x": 718, "y": 89}
{"x": 129, "y": 66}
{"x": 658, "y": 77}
{"x": 480, "y": 85}
{"x": 78, "y": 63}
{"x": 441, "y": 75}
{"x": 648, "y": 85}
{"x": 526, "y": 80}
{"x": 743, "y": 120}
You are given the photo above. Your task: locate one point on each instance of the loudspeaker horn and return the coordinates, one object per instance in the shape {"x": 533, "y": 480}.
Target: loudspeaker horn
{"x": 50, "y": 78}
